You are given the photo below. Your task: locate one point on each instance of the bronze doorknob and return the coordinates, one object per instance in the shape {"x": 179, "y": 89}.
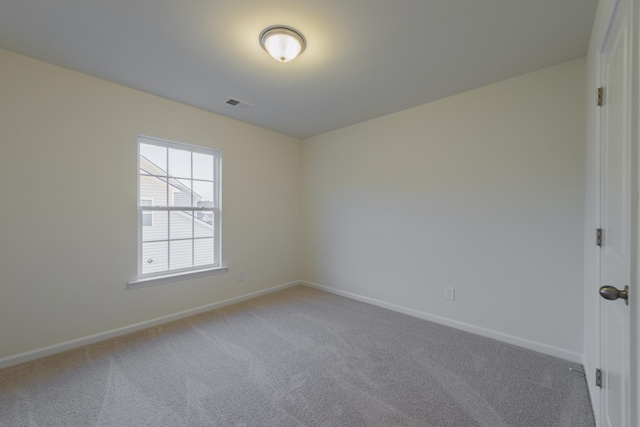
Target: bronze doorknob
{"x": 612, "y": 293}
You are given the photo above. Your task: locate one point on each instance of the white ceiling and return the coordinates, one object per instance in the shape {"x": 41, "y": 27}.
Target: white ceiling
{"x": 364, "y": 59}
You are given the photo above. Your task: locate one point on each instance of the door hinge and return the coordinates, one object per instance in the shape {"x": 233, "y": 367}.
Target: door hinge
{"x": 599, "y": 378}
{"x": 599, "y": 92}
{"x": 599, "y": 236}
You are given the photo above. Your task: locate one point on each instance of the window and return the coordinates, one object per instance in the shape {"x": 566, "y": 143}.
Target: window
{"x": 178, "y": 211}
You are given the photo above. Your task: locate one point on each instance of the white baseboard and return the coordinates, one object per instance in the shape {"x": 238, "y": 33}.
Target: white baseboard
{"x": 5, "y": 362}
{"x": 510, "y": 339}
{"x": 68, "y": 345}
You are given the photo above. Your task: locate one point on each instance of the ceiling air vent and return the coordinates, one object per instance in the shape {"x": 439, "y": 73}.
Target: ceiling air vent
{"x": 239, "y": 104}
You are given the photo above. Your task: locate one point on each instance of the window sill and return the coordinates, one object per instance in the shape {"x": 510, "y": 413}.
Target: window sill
{"x": 168, "y": 278}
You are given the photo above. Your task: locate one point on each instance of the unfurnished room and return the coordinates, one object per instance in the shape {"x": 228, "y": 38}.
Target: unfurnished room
{"x": 303, "y": 213}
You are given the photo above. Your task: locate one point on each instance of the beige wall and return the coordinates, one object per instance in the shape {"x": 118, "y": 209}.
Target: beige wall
{"x": 68, "y": 216}
{"x": 482, "y": 191}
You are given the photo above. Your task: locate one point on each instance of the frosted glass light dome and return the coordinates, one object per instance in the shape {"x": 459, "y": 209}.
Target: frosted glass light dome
{"x": 282, "y": 43}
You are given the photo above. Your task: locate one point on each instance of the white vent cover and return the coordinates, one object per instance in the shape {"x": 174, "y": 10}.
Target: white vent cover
{"x": 239, "y": 104}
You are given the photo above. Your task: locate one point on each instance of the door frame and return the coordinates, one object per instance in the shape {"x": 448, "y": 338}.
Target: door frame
{"x": 634, "y": 303}
{"x": 634, "y": 330}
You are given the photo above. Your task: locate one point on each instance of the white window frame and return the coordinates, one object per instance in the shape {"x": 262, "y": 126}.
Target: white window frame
{"x": 167, "y": 276}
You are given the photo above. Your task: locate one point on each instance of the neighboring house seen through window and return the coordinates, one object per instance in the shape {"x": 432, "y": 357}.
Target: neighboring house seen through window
{"x": 147, "y": 216}
{"x": 178, "y": 208}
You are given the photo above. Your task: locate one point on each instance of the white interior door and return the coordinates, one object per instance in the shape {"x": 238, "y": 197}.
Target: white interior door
{"x": 615, "y": 262}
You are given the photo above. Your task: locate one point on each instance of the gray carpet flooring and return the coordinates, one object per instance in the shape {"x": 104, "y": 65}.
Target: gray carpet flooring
{"x": 300, "y": 357}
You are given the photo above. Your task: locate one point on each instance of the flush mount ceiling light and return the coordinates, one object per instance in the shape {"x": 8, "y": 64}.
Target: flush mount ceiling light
{"x": 282, "y": 43}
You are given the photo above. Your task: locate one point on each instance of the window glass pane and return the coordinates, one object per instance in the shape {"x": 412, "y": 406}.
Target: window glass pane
{"x": 147, "y": 218}
{"x": 179, "y": 163}
{"x": 153, "y": 188}
{"x": 203, "y": 194}
{"x": 202, "y": 166}
{"x": 203, "y": 224}
{"x": 203, "y": 252}
{"x": 153, "y": 158}
{"x": 158, "y": 228}
{"x": 154, "y": 257}
{"x": 180, "y": 192}
{"x": 181, "y": 226}
{"x": 181, "y": 254}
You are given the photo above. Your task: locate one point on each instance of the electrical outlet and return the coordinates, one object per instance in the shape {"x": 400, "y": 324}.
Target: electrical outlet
{"x": 240, "y": 276}
{"x": 449, "y": 293}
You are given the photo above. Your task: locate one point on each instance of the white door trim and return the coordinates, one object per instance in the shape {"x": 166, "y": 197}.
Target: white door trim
{"x": 635, "y": 202}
